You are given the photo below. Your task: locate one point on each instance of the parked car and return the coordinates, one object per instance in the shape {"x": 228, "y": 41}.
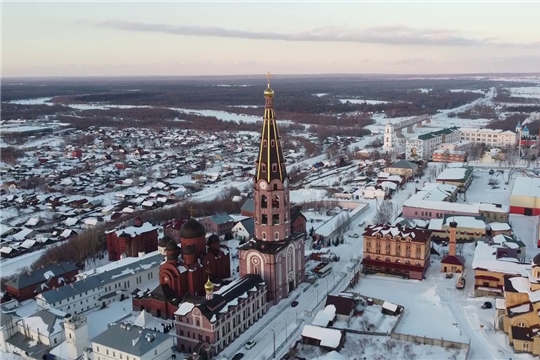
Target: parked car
{"x": 362, "y": 224}
{"x": 250, "y": 344}
{"x": 238, "y": 356}
{"x": 491, "y": 172}
{"x": 354, "y": 235}
{"x": 294, "y": 303}
{"x": 487, "y": 305}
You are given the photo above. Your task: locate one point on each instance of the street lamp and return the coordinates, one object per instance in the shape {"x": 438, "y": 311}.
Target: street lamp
{"x": 274, "y": 353}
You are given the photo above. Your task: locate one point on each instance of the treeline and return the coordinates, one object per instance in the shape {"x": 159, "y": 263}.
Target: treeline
{"x": 504, "y": 95}
{"x": 30, "y": 112}
{"x": 476, "y": 112}
{"x": 510, "y": 122}
{"x": 10, "y": 154}
{"x": 523, "y": 108}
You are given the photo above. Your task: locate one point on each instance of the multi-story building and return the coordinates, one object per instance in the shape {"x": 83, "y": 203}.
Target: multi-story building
{"x": 28, "y": 284}
{"x": 398, "y": 250}
{"x": 219, "y": 224}
{"x": 490, "y": 137}
{"x": 130, "y": 342}
{"x": 275, "y": 253}
{"x": 446, "y": 155}
{"x": 103, "y": 285}
{"x": 209, "y": 325}
{"x": 141, "y": 238}
{"x": 520, "y": 312}
{"x": 422, "y": 146}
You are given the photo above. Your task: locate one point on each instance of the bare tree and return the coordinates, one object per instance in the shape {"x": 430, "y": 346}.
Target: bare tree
{"x": 385, "y": 212}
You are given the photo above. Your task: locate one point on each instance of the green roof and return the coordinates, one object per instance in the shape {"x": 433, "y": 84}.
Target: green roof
{"x": 431, "y": 135}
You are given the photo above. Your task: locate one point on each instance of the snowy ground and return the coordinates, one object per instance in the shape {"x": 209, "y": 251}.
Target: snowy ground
{"x": 372, "y": 319}
{"x": 11, "y": 266}
{"x": 360, "y": 347}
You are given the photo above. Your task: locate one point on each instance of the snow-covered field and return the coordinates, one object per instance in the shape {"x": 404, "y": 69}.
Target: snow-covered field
{"x": 372, "y": 319}
{"x": 528, "y": 92}
{"x": 362, "y": 101}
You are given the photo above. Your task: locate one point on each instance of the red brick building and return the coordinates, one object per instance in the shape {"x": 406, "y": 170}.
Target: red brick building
{"x": 298, "y": 221}
{"x": 132, "y": 241}
{"x": 27, "y": 285}
{"x": 186, "y": 270}
{"x": 172, "y": 229}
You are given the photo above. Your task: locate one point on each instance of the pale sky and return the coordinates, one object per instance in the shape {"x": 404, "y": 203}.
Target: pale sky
{"x": 228, "y": 38}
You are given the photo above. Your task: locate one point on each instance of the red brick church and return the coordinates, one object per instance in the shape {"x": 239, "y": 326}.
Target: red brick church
{"x": 185, "y": 270}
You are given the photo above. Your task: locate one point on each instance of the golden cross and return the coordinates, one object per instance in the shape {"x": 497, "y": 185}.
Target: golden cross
{"x": 268, "y": 77}
{"x": 191, "y": 211}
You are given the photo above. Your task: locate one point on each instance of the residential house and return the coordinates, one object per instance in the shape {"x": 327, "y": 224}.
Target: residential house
{"x": 28, "y": 284}
{"x": 248, "y": 209}
{"x": 345, "y": 306}
{"x": 244, "y": 229}
{"x": 403, "y": 168}
{"x": 219, "y": 224}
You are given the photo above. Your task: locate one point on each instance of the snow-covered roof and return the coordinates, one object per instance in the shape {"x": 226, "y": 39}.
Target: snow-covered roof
{"x": 473, "y": 209}
{"x": 325, "y": 316}
{"x": 136, "y": 230}
{"x": 454, "y": 174}
{"x": 435, "y": 224}
{"x": 485, "y": 257}
{"x": 523, "y": 285}
{"x": 526, "y": 186}
{"x": 328, "y": 337}
{"x": 499, "y": 226}
{"x": 469, "y": 222}
{"x": 389, "y": 306}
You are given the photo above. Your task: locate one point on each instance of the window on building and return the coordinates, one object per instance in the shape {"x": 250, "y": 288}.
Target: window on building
{"x": 521, "y": 324}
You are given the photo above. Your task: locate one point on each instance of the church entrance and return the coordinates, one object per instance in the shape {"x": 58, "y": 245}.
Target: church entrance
{"x": 291, "y": 286}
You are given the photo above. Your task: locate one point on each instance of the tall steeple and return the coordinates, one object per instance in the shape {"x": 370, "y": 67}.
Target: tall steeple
{"x": 270, "y": 164}
{"x": 272, "y": 209}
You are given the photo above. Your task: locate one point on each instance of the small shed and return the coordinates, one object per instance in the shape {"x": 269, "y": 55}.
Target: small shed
{"x": 390, "y": 309}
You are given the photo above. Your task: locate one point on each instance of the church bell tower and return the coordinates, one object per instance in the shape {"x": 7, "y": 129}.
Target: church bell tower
{"x": 271, "y": 195}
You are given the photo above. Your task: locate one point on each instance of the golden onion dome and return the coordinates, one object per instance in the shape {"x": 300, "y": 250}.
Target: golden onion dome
{"x": 268, "y": 91}
{"x": 209, "y": 287}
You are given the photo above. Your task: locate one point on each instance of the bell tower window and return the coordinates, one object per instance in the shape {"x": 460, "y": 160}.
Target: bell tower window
{"x": 276, "y": 235}
{"x": 274, "y": 187}
{"x": 272, "y": 143}
{"x": 263, "y": 235}
{"x": 263, "y": 167}
{"x": 265, "y": 143}
{"x": 275, "y": 202}
{"x": 275, "y": 219}
{"x": 264, "y": 219}
{"x": 274, "y": 167}
{"x": 263, "y": 201}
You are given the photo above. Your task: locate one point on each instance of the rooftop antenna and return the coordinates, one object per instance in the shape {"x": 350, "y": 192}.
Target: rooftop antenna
{"x": 191, "y": 211}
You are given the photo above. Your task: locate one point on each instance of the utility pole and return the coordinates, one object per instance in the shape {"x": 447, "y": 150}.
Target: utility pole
{"x": 274, "y": 353}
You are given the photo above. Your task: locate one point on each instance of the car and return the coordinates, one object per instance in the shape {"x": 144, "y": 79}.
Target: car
{"x": 250, "y": 344}
{"x": 362, "y": 224}
{"x": 491, "y": 172}
{"x": 294, "y": 303}
{"x": 487, "y": 305}
{"x": 238, "y": 356}
{"x": 354, "y": 235}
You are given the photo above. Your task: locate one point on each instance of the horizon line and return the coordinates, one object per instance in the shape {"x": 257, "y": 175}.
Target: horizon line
{"x": 256, "y": 76}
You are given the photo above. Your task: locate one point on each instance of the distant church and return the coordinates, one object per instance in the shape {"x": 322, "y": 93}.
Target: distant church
{"x": 276, "y": 252}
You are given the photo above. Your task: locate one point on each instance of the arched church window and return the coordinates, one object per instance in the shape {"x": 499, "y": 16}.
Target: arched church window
{"x": 263, "y": 167}
{"x": 263, "y": 201}
{"x": 275, "y": 202}
{"x": 274, "y": 167}
{"x": 276, "y": 235}
{"x": 274, "y": 187}
{"x": 256, "y": 270}
{"x": 263, "y": 235}
{"x": 265, "y": 143}
{"x": 264, "y": 219}
{"x": 272, "y": 143}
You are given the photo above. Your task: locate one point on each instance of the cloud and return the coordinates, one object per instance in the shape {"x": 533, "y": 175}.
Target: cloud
{"x": 387, "y": 35}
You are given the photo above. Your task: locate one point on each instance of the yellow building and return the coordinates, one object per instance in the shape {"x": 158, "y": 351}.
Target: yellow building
{"x": 491, "y": 262}
{"x": 403, "y": 168}
{"x": 521, "y": 319}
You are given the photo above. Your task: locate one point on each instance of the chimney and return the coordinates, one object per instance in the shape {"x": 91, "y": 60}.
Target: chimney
{"x": 452, "y": 245}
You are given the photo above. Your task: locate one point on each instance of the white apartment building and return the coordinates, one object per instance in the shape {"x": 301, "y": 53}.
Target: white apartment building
{"x": 490, "y": 137}
{"x": 103, "y": 285}
{"x": 423, "y": 146}
{"x": 124, "y": 341}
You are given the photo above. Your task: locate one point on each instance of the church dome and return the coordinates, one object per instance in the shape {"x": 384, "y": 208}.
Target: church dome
{"x": 164, "y": 241}
{"x": 209, "y": 286}
{"x": 172, "y": 256}
{"x": 213, "y": 239}
{"x": 189, "y": 250}
{"x": 192, "y": 229}
{"x": 171, "y": 245}
{"x": 536, "y": 259}
{"x": 268, "y": 91}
